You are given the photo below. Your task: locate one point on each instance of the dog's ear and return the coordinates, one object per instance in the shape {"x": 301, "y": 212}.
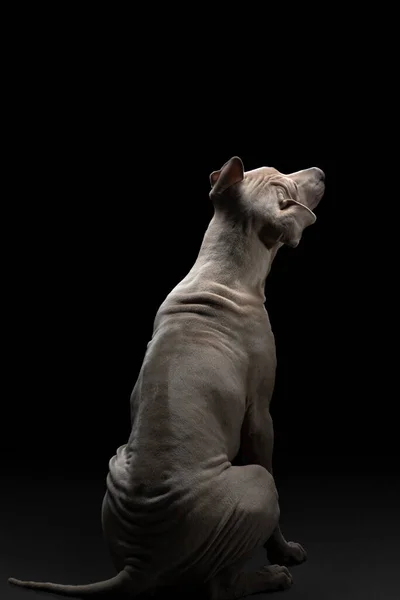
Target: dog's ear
{"x": 232, "y": 172}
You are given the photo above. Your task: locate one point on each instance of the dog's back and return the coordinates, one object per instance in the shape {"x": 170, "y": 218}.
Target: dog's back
{"x": 188, "y": 405}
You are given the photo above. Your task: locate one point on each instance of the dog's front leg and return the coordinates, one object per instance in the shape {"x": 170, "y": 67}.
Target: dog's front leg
{"x": 257, "y": 443}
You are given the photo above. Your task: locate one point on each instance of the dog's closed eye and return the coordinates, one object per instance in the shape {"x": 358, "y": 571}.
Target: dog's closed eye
{"x": 284, "y": 197}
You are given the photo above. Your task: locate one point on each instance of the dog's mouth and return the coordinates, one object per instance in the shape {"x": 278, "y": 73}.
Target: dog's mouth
{"x": 319, "y": 193}
{"x": 313, "y": 202}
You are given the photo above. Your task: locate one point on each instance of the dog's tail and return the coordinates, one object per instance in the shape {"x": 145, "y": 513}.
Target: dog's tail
{"x": 121, "y": 584}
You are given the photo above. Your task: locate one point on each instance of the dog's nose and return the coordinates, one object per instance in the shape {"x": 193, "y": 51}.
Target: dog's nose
{"x": 319, "y": 172}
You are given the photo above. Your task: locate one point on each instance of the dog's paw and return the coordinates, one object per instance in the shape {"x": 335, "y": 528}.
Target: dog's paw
{"x": 279, "y": 576}
{"x": 290, "y": 554}
{"x": 295, "y": 554}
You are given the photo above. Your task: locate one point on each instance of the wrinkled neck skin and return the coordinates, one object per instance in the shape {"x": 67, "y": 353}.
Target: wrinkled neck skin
{"x": 233, "y": 255}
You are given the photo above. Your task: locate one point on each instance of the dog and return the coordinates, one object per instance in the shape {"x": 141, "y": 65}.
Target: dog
{"x": 177, "y": 509}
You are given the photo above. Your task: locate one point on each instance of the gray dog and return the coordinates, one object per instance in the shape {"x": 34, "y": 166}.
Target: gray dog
{"x": 176, "y": 510}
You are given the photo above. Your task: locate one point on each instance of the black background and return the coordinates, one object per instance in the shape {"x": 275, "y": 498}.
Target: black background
{"x": 92, "y": 265}
{"x": 109, "y": 162}
{"x": 99, "y": 245}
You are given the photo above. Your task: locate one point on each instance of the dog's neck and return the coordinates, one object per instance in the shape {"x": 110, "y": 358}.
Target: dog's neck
{"x": 232, "y": 254}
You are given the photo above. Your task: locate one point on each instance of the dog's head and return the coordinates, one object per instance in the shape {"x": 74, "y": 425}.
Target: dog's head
{"x": 279, "y": 206}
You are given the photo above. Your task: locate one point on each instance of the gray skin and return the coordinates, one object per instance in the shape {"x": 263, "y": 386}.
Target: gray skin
{"x": 176, "y": 510}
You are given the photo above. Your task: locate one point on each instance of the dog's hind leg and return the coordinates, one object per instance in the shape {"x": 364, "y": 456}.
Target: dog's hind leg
{"x": 233, "y": 583}
{"x": 256, "y": 516}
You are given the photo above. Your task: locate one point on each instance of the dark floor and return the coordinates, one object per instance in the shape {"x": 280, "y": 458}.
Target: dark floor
{"x": 349, "y": 523}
